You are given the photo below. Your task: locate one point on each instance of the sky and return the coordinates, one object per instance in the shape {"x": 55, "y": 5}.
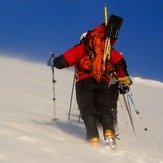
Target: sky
{"x": 27, "y": 134}
{"x": 32, "y": 28}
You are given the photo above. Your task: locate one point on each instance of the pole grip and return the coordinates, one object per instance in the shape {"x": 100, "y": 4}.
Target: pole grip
{"x": 51, "y": 54}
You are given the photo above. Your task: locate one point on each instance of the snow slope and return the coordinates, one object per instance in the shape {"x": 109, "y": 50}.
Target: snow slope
{"x": 27, "y": 134}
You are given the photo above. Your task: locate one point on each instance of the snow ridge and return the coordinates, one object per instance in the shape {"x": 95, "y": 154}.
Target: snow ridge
{"x": 152, "y": 83}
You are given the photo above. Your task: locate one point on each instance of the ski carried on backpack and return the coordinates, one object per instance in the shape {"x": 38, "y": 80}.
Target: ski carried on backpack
{"x": 112, "y": 29}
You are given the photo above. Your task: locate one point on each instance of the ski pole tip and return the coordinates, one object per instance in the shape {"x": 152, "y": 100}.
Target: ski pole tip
{"x": 54, "y": 120}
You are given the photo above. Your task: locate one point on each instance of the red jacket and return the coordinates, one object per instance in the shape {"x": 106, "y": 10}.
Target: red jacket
{"x": 73, "y": 57}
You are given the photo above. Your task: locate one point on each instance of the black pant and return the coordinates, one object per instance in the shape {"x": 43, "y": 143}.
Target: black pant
{"x": 95, "y": 101}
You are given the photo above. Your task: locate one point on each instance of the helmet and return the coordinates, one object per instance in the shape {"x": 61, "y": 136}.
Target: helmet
{"x": 83, "y": 36}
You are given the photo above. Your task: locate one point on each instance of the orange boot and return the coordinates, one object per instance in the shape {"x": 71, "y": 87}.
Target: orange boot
{"x": 109, "y": 137}
{"x": 94, "y": 141}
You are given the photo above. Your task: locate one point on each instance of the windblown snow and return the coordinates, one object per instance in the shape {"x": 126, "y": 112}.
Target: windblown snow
{"x": 27, "y": 134}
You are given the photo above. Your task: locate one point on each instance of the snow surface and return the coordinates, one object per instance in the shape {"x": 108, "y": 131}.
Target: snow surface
{"x": 27, "y": 134}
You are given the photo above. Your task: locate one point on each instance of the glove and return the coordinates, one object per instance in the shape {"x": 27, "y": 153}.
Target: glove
{"x": 124, "y": 84}
{"x": 125, "y": 80}
{"x": 51, "y": 62}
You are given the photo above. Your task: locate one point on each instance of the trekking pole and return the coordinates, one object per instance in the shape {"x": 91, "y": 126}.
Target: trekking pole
{"x": 53, "y": 82}
{"x": 129, "y": 113}
{"x": 72, "y": 92}
{"x": 129, "y": 106}
{"x": 141, "y": 120}
{"x": 122, "y": 108}
{"x": 112, "y": 29}
{"x": 79, "y": 117}
{"x": 120, "y": 85}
